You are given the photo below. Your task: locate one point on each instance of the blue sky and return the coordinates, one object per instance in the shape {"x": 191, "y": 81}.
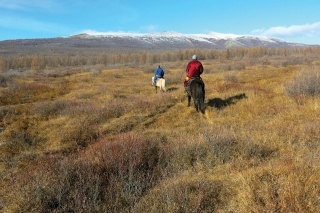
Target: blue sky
{"x": 289, "y": 20}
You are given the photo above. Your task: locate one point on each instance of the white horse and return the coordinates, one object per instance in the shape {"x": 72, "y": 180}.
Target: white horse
{"x": 161, "y": 84}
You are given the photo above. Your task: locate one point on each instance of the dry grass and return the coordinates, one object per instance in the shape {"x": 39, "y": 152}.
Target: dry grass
{"x": 104, "y": 141}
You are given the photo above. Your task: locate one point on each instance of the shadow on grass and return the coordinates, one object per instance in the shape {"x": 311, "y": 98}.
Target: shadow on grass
{"x": 171, "y": 89}
{"x": 220, "y": 103}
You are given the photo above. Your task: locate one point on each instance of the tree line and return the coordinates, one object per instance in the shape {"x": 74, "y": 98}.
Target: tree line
{"x": 46, "y": 61}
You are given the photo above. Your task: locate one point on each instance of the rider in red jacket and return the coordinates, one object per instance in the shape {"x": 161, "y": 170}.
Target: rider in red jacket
{"x": 194, "y": 69}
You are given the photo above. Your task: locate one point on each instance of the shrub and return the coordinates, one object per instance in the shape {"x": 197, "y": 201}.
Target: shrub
{"x": 25, "y": 93}
{"x": 186, "y": 195}
{"x": 51, "y": 109}
{"x": 109, "y": 177}
{"x": 4, "y": 81}
{"x": 83, "y": 131}
{"x": 20, "y": 138}
{"x": 287, "y": 187}
{"x": 231, "y": 78}
{"x": 307, "y": 83}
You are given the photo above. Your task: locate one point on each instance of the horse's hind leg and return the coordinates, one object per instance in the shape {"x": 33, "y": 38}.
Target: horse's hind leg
{"x": 196, "y": 105}
{"x": 189, "y": 100}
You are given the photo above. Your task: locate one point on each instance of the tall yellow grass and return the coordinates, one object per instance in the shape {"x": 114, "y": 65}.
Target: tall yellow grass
{"x": 106, "y": 142}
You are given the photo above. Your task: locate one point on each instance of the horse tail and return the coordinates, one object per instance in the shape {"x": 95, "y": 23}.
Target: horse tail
{"x": 201, "y": 102}
{"x": 152, "y": 80}
{"x": 200, "y": 96}
{"x": 163, "y": 85}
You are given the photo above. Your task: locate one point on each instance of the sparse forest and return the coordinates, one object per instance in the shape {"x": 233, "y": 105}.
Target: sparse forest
{"x": 52, "y": 60}
{"x": 86, "y": 132}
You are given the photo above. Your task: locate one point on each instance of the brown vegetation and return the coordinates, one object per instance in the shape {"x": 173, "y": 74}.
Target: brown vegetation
{"x": 95, "y": 137}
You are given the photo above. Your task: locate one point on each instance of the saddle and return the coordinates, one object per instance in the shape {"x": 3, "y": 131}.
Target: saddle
{"x": 154, "y": 83}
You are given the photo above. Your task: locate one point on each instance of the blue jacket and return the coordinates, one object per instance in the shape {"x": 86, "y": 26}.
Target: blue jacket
{"x": 158, "y": 73}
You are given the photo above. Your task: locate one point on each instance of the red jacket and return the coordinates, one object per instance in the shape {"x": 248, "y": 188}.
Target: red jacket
{"x": 194, "y": 69}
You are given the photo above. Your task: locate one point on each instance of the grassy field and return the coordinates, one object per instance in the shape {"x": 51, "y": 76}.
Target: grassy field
{"x": 105, "y": 141}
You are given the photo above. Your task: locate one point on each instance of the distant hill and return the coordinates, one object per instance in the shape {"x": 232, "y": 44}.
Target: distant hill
{"x": 148, "y": 42}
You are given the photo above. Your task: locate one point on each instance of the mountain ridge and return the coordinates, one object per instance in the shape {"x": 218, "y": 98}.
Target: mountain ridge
{"x": 168, "y": 40}
{"x": 212, "y": 39}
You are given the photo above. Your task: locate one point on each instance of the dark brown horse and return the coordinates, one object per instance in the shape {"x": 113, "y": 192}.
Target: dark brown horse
{"x": 197, "y": 92}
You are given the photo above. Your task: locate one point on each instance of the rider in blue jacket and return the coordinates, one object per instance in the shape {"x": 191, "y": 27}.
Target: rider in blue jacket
{"x": 158, "y": 73}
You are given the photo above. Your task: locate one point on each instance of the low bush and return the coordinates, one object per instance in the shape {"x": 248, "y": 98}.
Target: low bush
{"x": 111, "y": 176}
{"x": 49, "y": 110}
{"x": 4, "y": 81}
{"x": 192, "y": 194}
{"x": 20, "y": 93}
{"x": 307, "y": 83}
